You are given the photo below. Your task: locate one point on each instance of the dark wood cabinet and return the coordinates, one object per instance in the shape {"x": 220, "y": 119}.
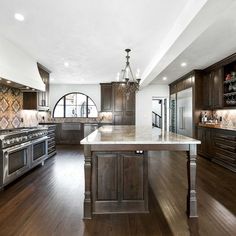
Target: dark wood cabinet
{"x": 217, "y": 93}
{"x": 182, "y": 83}
{"x": 43, "y": 97}
{"x": 119, "y": 182}
{"x": 69, "y": 133}
{"x": 225, "y": 148}
{"x": 213, "y": 89}
{"x": 30, "y": 100}
{"x": 219, "y": 145}
{"x": 205, "y": 148}
{"x": 106, "y": 97}
{"x": 122, "y": 107}
{"x": 38, "y": 100}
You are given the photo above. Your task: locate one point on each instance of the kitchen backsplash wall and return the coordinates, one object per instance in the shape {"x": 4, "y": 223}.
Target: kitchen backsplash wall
{"x": 11, "y": 102}
{"x": 12, "y": 114}
{"x": 228, "y": 117}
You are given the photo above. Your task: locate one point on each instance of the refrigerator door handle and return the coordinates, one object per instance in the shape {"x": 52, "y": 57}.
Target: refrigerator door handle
{"x": 181, "y": 118}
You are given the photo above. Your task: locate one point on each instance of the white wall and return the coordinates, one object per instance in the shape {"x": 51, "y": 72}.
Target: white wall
{"x": 144, "y": 102}
{"x": 143, "y": 98}
{"x": 59, "y": 90}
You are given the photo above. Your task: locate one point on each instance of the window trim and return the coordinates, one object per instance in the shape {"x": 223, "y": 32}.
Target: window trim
{"x": 64, "y": 106}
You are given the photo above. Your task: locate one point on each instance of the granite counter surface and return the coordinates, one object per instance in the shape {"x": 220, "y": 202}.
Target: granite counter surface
{"x": 135, "y": 135}
{"x": 217, "y": 126}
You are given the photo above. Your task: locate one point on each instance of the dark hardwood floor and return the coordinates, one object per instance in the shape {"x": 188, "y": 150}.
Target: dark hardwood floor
{"x": 49, "y": 200}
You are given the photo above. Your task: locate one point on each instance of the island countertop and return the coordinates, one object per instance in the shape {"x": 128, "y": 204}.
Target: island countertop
{"x": 130, "y": 134}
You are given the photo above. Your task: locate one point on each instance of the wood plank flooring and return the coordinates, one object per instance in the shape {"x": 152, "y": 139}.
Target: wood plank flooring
{"x": 49, "y": 200}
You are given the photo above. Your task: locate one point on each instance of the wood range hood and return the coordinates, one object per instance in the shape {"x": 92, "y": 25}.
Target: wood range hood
{"x": 18, "y": 67}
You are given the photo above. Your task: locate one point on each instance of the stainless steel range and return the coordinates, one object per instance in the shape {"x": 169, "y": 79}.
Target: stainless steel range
{"x": 21, "y": 150}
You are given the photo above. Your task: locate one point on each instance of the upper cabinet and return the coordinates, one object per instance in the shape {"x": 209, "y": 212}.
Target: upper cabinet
{"x": 38, "y": 100}
{"x": 43, "y": 97}
{"x": 106, "y": 97}
{"x": 213, "y": 89}
{"x": 230, "y": 85}
{"x": 121, "y": 106}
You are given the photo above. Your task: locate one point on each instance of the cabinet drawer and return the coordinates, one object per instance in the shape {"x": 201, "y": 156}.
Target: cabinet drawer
{"x": 227, "y": 145}
{"x": 225, "y": 155}
{"x": 225, "y": 137}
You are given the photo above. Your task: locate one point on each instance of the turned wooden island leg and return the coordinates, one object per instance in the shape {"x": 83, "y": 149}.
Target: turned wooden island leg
{"x": 87, "y": 177}
{"x": 191, "y": 171}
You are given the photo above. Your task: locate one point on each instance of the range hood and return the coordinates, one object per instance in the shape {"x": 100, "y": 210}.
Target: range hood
{"x": 19, "y": 67}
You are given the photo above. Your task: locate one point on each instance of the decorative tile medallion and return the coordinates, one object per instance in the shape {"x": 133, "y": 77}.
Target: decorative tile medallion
{"x": 3, "y": 105}
{"x": 4, "y": 89}
{"x": 16, "y": 92}
{"x": 15, "y": 106}
{"x": 16, "y": 122}
{"x": 3, "y": 123}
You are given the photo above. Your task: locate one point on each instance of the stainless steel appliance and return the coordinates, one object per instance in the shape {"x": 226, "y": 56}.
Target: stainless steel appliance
{"x": 181, "y": 114}
{"x": 20, "y": 150}
{"x": 184, "y": 112}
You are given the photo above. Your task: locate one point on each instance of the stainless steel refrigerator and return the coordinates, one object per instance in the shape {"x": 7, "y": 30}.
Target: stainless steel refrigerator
{"x": 181, "y": 114}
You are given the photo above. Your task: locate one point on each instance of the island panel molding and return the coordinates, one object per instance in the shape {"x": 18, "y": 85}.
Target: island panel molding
{"x": 112, "y": 144}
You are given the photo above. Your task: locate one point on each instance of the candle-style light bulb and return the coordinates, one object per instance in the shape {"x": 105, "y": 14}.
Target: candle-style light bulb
{"x": 118, "y": 77}
{"x": 138, "y": 73}
{"x": 127, "y": 73}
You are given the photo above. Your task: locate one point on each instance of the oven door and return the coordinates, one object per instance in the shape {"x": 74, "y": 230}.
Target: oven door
{"x": 39, "y": 151}
{"x": 15, "y": 161}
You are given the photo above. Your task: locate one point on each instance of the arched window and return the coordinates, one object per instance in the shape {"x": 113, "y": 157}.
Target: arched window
{"x": 75, "y": 105}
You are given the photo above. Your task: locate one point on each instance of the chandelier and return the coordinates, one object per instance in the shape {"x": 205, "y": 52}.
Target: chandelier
{"x": 129, "y": 83}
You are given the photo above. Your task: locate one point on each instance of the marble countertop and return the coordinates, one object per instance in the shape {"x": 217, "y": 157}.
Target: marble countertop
{"x": 129, "y": 134}
{"x": 217, "y": 126}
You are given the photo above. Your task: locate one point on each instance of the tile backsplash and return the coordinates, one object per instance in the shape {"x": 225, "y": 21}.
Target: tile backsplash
{"x": 11, "y": 102}
{"x": 228, "y": 117}
{"x": 12, "y": 114}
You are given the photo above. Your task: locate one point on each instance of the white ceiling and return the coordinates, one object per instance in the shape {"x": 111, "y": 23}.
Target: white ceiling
{"x": 92, "y": 36}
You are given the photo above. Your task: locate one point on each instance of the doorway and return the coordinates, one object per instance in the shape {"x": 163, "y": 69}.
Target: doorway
{"x": 160, "y": 119}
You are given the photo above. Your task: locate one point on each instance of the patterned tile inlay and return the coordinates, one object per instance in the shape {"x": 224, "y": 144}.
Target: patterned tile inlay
{"x": 3, "y": 105}
{"x": 16, "y": 122}
{"x": 15, "y": 106}
{"x": 3, "y": 123}
{"x": 11, "y": 102}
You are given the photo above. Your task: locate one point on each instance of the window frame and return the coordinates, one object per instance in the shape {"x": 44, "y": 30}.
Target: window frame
{"x": 64, "y": 106}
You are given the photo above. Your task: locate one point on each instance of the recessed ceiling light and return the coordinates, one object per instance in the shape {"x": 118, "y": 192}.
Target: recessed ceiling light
{"x": 33, "y": 89}
{"x": 19, "y": 17}
{"x": 183, "y": 64}
{"x": 8, "y": 81}
{"x": 27, "y": 87}
{"x": 164, "y": 78}
{"x": 66, "y": 64}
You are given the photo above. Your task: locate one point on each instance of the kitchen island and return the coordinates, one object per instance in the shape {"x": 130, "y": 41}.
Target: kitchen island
{"x": 116, "y": 168}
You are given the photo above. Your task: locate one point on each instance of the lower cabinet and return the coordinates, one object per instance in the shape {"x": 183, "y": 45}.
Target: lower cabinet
{"x": 219, "y": 145}
{"x": 206, "y": 147}
{"x": 120, "y": 182}
{"x": 225, "y": 149}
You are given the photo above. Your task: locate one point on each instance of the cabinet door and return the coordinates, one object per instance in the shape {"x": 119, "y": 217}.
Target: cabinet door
{"x": 130, "y": 102}
{"x": 119, "y": 182}
{"x": 106, "y": 171}
{"x": 118, "y": 99}
{"x": 217, "y": 77}
{"x": 133, "y": 173}
{"x": 207, "y": 91}
{"x": 106, "y": 97}
{"x": 30, "y": 100}
{"x": 43, "y": 97}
